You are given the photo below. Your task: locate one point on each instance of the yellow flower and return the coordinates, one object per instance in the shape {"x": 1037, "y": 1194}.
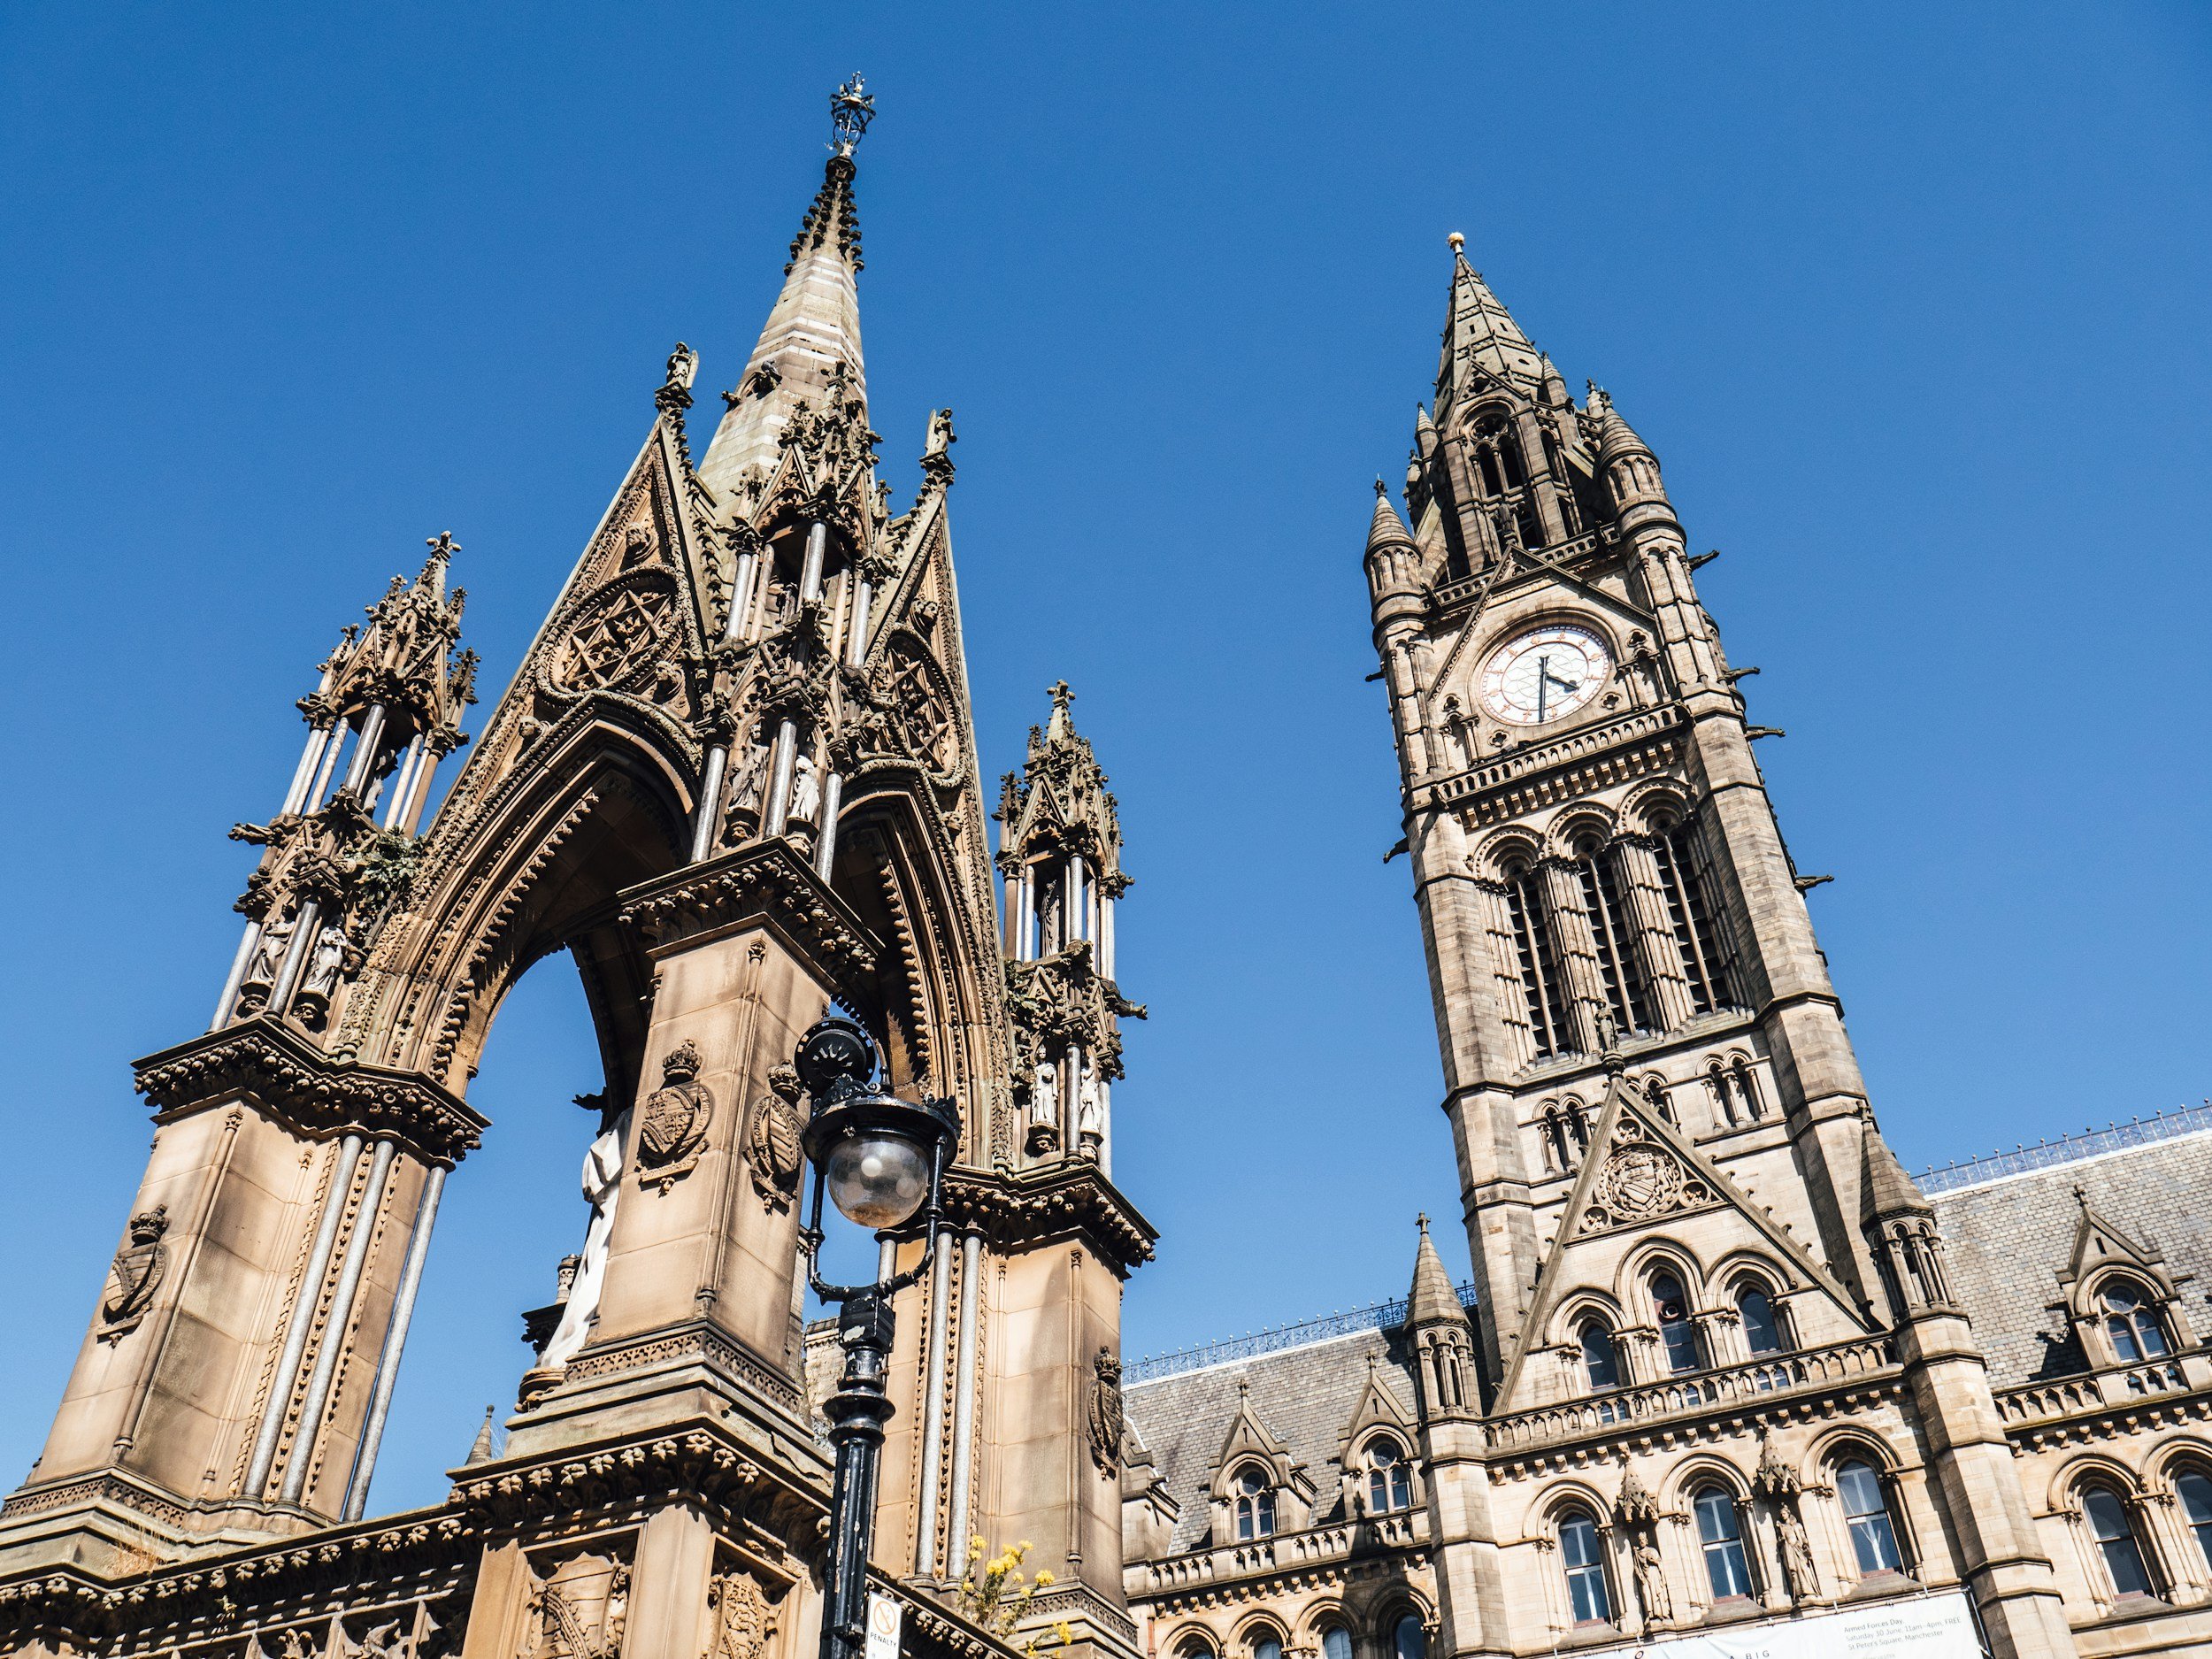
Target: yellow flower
{"x": 1044, "y": 1578}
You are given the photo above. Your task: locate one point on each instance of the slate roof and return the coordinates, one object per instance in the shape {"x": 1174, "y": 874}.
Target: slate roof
{"x": 2005, "y": 1242}
{"x": 1304, "y": 1396}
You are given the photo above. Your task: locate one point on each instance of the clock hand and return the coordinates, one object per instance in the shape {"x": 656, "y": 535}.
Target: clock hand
{"x": 1543, "y": 678}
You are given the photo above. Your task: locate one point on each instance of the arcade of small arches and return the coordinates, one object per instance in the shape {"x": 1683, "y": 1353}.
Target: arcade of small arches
{"x": 2140, "y": 1538}
{"x": 1667, "y": 1320}
{"x": 1397, "y": 1627}
{"x": 1741, "y": 1542}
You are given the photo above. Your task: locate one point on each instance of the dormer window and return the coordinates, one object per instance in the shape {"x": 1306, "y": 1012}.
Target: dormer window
{"x": 1255, "y": 1505}
{"x": 2131, "y": 1324}
{"x": 1389, "y": 1479}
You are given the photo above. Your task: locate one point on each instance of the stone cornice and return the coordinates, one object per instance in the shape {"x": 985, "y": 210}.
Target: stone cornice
{"x": 700, "y": 1462}
{"x": 1071, "y": 1199}
{"x": 1577, "y": 763}
{"x": 766, "y": 882}
{"x": 273, "y": 1068}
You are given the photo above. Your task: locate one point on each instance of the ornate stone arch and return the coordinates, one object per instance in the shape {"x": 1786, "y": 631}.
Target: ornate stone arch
{"x": 1653, "y": 1255}
{"x": 533, "y": 865}
{"x": 1502, "y": 846}
{"x": 1569, "y": 825}
{"x": 1651, "y": 802}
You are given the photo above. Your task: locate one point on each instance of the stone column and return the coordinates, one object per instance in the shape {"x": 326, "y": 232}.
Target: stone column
{"x": 749, "y": 949}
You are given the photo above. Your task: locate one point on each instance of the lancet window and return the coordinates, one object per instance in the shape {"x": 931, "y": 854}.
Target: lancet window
{"x": 1409, "y": 1638}
{"x": 1336, "y": 1643}
{"x": 1762, "y": 1326}
{"x": 1550, "y": 1019}
{"x": 1677, "y": 1336}
{"x": 1582, "y": 1557}
{"x": 1600, "y": 1359}
{"x": 1720, "y": 1535}
{"x": 1686, "y": 887}
{"x": 2194, "y": 1489}
{"x": 2105, "y": 1512}
{"x": 1865, "y": 1501}
{"x": 1613, "y": 929}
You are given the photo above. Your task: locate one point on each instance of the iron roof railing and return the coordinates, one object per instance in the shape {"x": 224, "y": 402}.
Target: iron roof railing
{"x": 2168, "y": 1126}
{"x": 1379, "y": 1316}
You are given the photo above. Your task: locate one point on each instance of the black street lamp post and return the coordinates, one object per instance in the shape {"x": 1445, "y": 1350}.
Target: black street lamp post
{"x": 881, "y": 1159}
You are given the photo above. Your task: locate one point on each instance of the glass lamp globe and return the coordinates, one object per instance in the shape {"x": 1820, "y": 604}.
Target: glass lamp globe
{"x": 878, "y": 1179}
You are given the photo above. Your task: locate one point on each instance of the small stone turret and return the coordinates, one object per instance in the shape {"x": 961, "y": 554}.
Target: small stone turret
{"x": 1443, "y": 1340}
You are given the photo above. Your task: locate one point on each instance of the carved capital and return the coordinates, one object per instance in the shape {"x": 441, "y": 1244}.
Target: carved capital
{"x": 766, "y": 882}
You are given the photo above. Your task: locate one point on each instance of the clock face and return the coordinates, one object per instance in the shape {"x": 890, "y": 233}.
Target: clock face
{"x": 1544, "y": 674}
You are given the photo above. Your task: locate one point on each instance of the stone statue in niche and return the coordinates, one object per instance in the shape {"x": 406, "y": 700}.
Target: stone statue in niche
{"x": 1090, "y": 1114}
{"x": 318, "y": 983}
{"x": 1798, "y": 1570}
{"x": 268, "y": 962}
{"x": 806, "y": 791}
{"x": 673, "y": 1127}
{"x": 137, "y": 1273}
{"x": 771, "y": 1141}
{"x": 602, "y": 1183}
{"x": 1651, "y": 1582}
{"x": 1044, "y": 1108}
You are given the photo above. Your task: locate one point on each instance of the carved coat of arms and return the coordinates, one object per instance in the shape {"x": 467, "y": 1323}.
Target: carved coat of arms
{"x": 1638, "y": 1182}
{"x": 1105, "y": 1417}
{"x": 674, "y": 1122}
{"x": 136, "y": 1272}
{"x": 743, "y": 1621}
{"x": 772, "y": 1141}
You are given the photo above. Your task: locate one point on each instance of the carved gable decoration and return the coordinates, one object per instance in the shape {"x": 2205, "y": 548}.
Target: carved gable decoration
{"x": 1641, "y": 1181}
{"x": 621, "y": 638}
{"x": 578, "y": 1610}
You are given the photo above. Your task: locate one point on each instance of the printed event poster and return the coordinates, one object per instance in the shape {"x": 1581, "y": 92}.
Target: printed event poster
{"x": 1927, "y": 1627}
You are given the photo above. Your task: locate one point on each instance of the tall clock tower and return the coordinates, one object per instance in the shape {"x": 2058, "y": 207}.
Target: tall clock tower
{"x": 1667, "y": 1158}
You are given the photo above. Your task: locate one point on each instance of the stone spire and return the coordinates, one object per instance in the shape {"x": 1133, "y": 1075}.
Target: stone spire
{"x": 1432, "y": 1301}
{"x": 1386, "y": 528}
{"x": 1481, "y": 338}
{"x": 814, "y": 324}
{"x": 1887, "y": 1190}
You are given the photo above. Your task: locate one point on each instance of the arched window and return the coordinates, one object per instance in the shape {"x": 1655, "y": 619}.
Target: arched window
{"x": 2107, "y": 1513}
{"x": 1686, "y": 887}
{"x": 2195, "y": 1491}
{"x": 1720, "y": 1532}
{"x": 1657, "y": 1097}
{"x": 1336, "y": 1643}
{"x": 1582, "y": 1557}
{"x": 1528, "y": 911}
{"x": 1762, "y": 1330}
{"x": 1866, "y": 1512}
{"x": 2132, "y": 1323}
{"x": 1266, "y": 1645}
{"x": 1613, "y": 929}
{"x": 1389, "y": 1480}
{"x": 1256, "y": 1505}
{"x": 1676, "y": 1335}
{"x": 1195, "y": 1646}
{"x": 1409, "y": 1639}
{"x": 1600, "y": 1359}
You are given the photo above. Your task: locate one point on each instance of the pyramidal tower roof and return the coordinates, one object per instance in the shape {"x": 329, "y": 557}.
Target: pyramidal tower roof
{"x": 1480, "y": 335}
{"x": 1386, "y": 526}
{"x": 815, "y": 323}
{"x": 1431, "y": 1299}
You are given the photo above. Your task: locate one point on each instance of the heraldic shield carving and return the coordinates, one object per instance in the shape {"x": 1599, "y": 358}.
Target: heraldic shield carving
{"x": 772, "y": 1141}
{"x": 136, "y": 1272}
{"x": 673, "y": 1124}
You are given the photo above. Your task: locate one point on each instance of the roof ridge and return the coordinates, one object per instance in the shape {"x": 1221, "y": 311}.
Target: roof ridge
{"x": 1376, "y": 1316}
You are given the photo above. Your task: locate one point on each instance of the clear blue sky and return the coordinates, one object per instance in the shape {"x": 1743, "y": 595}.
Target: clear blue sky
{"x": 1910, "y": 300}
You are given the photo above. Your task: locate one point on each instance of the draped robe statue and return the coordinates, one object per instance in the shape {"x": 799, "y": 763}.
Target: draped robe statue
{"x": 602, "y": 1185}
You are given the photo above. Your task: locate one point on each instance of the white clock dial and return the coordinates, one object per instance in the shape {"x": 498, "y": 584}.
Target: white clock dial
{"x": 1544, "y": 674}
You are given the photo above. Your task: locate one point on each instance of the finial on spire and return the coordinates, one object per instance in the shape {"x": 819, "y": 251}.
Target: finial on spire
{"x": 1381, "y": 489}
{"x": 1422, "y": 1221}
{"x": 1458, "y": 243}
{"x": 1060, "y": 695}
{"x": 851, "y": 109}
